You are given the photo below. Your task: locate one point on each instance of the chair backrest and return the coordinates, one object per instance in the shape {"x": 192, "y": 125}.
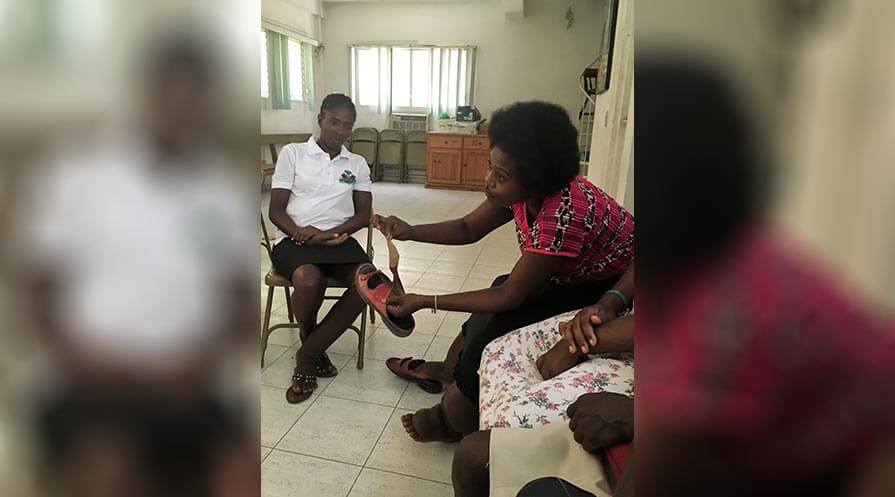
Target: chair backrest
{"x": 265, "y": 237}
{"x": 365, "y": 134}
{"x": 415, "y": 154}
{"x": 365, "y": 149}
{"x": 391, "y": 135}
{"x": 416, "y": 137}
{"x": 390, "y": 152}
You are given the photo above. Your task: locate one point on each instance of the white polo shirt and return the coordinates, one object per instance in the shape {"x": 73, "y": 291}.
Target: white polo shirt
{"x": 322, "y": 188}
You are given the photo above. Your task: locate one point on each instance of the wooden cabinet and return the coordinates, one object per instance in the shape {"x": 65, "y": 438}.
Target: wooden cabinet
{"x": 475, "y": 167}
{"x": 444, "y": 166}
{"x": 457, "y": 161}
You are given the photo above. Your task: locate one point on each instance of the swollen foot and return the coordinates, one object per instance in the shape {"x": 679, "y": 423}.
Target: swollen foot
{"x": 428, "y": 425}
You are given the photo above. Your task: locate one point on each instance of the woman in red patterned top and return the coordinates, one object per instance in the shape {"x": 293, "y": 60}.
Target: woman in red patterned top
{"x": 575, "y": 243}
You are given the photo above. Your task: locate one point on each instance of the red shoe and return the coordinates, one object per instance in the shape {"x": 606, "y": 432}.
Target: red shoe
{"x": 374, "y": 289}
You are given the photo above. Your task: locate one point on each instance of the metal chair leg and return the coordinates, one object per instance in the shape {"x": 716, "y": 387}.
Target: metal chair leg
{"x": 361, "y": 338}
{"x": 265, "y": 328}
{"x": 289, "y": 304}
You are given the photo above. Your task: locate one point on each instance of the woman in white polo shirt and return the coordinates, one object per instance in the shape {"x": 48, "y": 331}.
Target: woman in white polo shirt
{"x": 320, "y": 195}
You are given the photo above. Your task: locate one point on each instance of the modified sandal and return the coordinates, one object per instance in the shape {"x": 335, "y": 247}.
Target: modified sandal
{"x": 374, "y": 288}
{"x": 306, "y": 383}
{"x": 324, "y": 367}
{"x": 405, "y": 368}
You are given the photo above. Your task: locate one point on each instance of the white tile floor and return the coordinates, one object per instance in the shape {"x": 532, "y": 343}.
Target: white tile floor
{"x": 347, "y": 439}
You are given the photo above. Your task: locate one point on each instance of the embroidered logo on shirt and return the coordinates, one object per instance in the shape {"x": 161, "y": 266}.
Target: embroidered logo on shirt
{"x": 348, "y": 178}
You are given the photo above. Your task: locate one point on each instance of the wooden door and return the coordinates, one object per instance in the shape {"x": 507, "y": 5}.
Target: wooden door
{"x": 444, "y": 166}
{"x": 475, "y": 167}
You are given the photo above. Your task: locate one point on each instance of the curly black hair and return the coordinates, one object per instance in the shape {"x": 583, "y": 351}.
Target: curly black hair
{"x": 541, "y": 142}
{"x": 336, "y": 100}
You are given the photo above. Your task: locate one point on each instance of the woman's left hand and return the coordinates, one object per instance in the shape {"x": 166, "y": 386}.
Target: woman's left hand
{"x": 405, "y": 305}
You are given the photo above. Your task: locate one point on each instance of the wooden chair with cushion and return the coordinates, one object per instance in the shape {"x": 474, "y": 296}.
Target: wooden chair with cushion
{"x": 274, "y": 281}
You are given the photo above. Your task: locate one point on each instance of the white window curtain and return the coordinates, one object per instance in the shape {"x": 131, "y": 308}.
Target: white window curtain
{"x": 371, "y": 84}
{"x": 308, "y": 76}
{"x": 295, "y": 73}
{"x": 435, "y": 78}
{"x": 453, "y": 79}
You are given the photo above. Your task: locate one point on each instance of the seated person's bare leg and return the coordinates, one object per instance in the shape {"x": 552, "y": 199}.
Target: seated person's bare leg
{"x": 309, "y": 285}
{"x": 343, "y": 313}
{"x": 470, "y": 474}
{"x": 443, "y": 371}
{"x": 448, "y": 421}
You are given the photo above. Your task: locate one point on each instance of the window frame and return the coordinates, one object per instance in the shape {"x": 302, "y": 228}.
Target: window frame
{"x": 354, "y": 77}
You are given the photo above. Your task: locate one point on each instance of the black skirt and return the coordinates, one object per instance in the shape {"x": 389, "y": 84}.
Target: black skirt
{"x": 287, "y": 255}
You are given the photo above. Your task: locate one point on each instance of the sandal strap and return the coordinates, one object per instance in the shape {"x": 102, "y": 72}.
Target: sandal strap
{"x": 304, "y": 378}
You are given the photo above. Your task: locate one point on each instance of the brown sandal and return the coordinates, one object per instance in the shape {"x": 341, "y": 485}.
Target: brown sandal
{"x": 303, "y": 386}
{"x": 324, "y": 367}
{"x": 406, "y": 368}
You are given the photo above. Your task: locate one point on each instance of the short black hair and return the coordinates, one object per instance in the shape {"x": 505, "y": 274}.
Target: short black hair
{"x": 336, "y": 100}
{"x": 541, "y": 142}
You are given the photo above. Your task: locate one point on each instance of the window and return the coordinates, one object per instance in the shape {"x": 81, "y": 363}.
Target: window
{"x": 411, "y": 77}
{"x": 295, "y": 66}
{"x": 265, "y": 84}
{"x": 296, "y": 92}
{"x": 367, "y": 92}
{"x": 428, "y": 79}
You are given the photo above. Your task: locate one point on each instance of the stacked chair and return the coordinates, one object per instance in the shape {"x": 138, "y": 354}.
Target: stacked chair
{"x": 391, "y": 155}
{"x": 415, "y": 157}
{"x": 365, "y": 142}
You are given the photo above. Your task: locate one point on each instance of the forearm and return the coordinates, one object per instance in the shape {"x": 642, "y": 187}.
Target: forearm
{"x": 625, "y": 285}
{"x": 352, "y": 225}
{"x": 615, "y": 337}
{"x": 488, "y": 300}
{"x": 282, "y": 221}
{"x": 454, "y": 232}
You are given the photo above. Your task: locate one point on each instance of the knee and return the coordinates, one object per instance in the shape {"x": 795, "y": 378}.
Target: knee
{"x": 470, "y": 466}
{"x": 308, "y": 277}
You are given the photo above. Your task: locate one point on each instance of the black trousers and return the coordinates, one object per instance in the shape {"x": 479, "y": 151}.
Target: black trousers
{"x": 481, "y": 329}
{"x": 551, "y": 487}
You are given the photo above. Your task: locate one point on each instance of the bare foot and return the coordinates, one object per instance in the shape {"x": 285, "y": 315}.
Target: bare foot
{"x": 427, "y": 425}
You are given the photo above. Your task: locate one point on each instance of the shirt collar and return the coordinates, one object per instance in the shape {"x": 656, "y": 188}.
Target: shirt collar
{"x": 314, "y": 148}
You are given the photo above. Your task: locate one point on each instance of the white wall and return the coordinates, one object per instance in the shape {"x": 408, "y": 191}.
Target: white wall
{"x": 302, "y": 17}
{"x": 530, "y": 58}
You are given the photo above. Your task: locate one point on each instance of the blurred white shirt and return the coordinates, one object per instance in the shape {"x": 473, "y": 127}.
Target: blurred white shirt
{"x": 322, "y": 188}
{"x": 143, "y": 255}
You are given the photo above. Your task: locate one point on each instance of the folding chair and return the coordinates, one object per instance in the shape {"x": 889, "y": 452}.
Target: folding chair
{"x": 365, "y": 142}
{"x": 415, "y": 157}
{"x": 273, "y": 280}
{"x": 391, "y": 155}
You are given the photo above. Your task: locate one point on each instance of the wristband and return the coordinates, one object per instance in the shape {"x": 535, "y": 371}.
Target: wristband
{"x": 621, "y": 296}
